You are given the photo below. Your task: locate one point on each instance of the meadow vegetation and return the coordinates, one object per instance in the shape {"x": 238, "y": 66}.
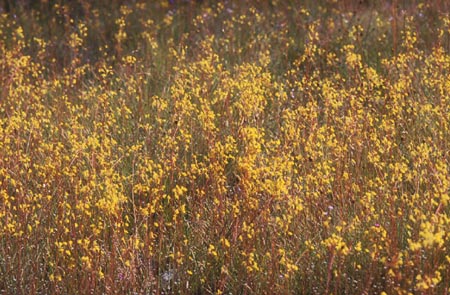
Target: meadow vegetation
{"x": 224, "y": 147}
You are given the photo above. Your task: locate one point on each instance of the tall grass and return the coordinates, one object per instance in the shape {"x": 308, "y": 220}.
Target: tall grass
{"x": 189, "y": 147}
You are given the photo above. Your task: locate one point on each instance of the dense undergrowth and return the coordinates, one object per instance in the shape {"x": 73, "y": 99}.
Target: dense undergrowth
{"x": 224, "y": 147}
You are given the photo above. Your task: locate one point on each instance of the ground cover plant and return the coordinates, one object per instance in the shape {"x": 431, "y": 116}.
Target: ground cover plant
{"x": 224, "y": 147}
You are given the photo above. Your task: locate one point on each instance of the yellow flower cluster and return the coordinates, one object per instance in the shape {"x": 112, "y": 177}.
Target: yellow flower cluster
{"x": 224, "y": 147}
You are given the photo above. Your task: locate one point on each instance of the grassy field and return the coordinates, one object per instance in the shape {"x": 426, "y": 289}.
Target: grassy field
{"x": 224, "y": 147}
